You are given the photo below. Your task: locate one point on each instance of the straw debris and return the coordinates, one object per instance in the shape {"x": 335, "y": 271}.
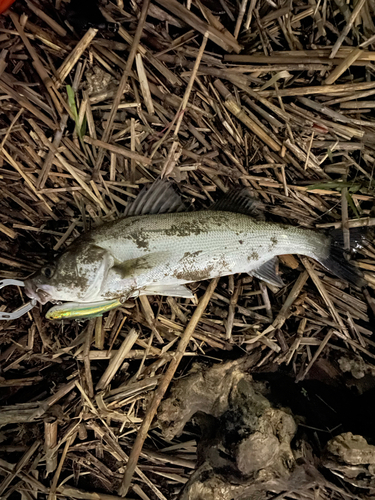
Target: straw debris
{"x": 272, "y": 95}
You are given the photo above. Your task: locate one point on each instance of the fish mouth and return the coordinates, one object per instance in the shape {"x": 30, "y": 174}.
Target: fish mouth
{"x": 33, "y": 292}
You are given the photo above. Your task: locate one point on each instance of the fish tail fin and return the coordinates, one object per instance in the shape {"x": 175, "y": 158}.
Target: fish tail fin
{"x": 337, "y": 261}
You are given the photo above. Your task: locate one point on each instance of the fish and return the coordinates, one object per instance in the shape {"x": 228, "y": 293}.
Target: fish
{"x": 158, "y": 247}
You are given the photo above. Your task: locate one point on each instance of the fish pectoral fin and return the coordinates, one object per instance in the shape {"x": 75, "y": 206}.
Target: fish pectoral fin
{"x": 168, "y": 290}
{"x": 268, "y": 272}
{"x": 135, "y": 267}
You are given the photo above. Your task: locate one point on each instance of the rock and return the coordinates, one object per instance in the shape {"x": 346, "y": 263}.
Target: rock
{"x": 257, "y": 452}
{"x": 205, "y": 390}
{"x": 352, "y": 459}
{"x": 244, "y": 449}
{"x": 352, "y": 450}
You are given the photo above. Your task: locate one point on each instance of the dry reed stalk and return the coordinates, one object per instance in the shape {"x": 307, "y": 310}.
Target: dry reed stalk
{"x": 342, "y": 67}
{"x": 144, "y": 84}
{"x": 24, "y": 461}
{"x": 213, "y": 20}
{"x": 37, "y": 64}
{"x": 240, "y": 17}
{"x": 231, "y": 312}
{"x": 122, "y": 85}
{"x": 323, "y": 89}
{"x": 74, "y": 56}
{"x": 322, "y": 290}
{"x": 189, "y": 87}
{"x": 357, "y": 9}
{"x": 250, "y": 14}
{"x": 118, "y": 150}
{"x": 117, "y": 360}
{"x": 86, "y": 359}
{"x": 163, "y": 386}
{"x": 233, "y": 107}
{"x": 53, "y": 488}
{"x": 47, "y": 19}
{"x": 226, "y": 41}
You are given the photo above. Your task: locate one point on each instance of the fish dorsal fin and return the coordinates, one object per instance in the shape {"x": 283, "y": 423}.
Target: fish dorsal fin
{"x": 159, "y": 198}
{"x": 240, "y": 200}
{"x": 269, "y": 272}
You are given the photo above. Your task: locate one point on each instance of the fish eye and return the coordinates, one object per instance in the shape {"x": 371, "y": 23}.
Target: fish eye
{"x": 47, "y": 272}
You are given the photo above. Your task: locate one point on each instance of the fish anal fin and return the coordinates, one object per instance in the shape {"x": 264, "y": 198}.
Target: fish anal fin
{"x": 168, "y": 290}
{"x": 269, "y": 272}
{"x": 240, "y": 201}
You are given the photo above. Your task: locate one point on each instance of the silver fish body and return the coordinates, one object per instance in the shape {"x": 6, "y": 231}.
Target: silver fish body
{"x": 160, "y": 253}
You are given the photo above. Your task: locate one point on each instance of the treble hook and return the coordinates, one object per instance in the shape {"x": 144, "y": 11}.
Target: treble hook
{"x": 21, "y": 310}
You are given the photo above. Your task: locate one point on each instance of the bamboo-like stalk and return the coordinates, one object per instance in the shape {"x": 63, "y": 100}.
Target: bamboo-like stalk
{"x": 240, "y": 17}
{"x": 343, "y": 66}
{"x": 50, "y": 441}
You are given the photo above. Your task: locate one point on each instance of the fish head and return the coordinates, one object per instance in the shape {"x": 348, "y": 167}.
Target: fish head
{"x": 77, "y": 275}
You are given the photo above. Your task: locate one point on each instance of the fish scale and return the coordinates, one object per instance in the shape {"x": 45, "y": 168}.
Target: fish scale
{"x": 190, "y": 247}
